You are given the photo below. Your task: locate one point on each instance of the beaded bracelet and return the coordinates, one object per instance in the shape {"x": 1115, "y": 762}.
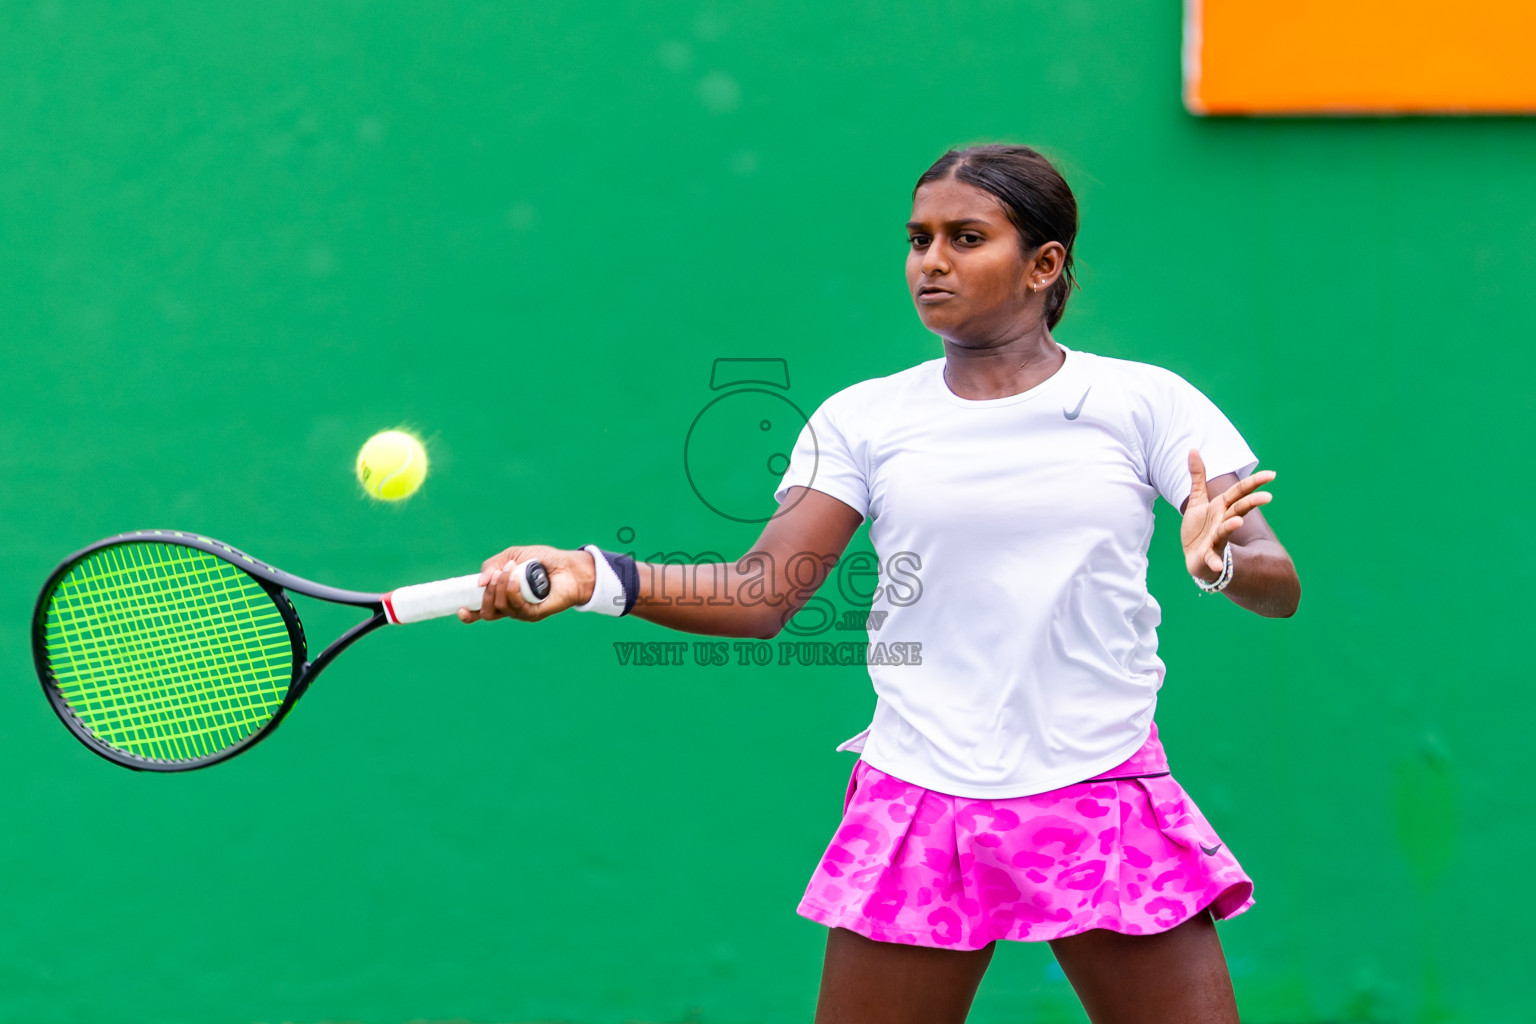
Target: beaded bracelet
{"x": 1221, "y": 581}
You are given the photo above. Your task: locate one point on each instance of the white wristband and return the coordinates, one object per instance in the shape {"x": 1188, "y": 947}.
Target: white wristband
{"x": 1221, "y": 581}
{"x": 607, "y": 592}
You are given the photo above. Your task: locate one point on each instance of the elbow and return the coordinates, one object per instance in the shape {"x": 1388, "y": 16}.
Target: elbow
{"x": 1286, "y": 606}
{"x": 770, "y": 623}
{"x": 1294, "y": 603}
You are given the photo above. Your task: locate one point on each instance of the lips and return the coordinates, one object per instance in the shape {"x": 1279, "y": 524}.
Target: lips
{"x": 928, "y": 293}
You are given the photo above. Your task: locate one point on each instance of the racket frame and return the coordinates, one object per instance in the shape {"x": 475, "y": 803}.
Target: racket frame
{"x": 274, "y": 581}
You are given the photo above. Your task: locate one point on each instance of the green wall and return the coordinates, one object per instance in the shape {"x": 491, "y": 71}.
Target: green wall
{"x": 236, "y": 240}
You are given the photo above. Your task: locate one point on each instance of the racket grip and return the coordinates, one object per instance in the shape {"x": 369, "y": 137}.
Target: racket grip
{"x": 440, "y": 599}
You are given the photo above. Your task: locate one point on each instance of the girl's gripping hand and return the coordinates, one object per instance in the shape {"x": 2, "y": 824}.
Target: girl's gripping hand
{"x": 572, "y": 576}
{"x": 1210, "y": 521}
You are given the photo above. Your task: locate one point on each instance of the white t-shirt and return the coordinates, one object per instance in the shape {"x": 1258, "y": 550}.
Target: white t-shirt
{"x": 1012, "y": 536}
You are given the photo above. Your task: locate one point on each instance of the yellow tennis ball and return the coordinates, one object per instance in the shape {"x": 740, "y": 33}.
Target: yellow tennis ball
{"x": 391, "y": 465}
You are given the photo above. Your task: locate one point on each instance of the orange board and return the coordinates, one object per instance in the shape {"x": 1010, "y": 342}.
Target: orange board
{"x": 1360, "y": 56}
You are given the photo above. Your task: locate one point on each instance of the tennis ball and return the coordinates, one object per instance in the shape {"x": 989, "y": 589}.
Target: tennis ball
{"x": 391, "y": 465}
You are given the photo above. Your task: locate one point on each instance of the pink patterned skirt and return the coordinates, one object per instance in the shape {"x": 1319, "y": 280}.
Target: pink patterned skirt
{"x": 1127, "y": 850}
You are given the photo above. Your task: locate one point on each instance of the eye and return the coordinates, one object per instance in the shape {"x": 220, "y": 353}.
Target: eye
{"x": 968, "y": 238}
{"x": 918, "y": 241}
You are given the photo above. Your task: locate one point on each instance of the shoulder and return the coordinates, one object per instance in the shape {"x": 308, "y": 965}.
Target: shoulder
{"x": 1137, "y": 378}
{"x": 1156, "y": 402}
{"x": 1150, "y": 394}
{"x": 877, "y": 394}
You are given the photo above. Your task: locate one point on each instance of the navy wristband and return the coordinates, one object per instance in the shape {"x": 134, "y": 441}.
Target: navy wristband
{"x": 623, "y": 567}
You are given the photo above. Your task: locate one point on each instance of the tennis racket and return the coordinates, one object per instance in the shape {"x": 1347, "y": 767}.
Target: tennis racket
{"x": 165, "y": 651}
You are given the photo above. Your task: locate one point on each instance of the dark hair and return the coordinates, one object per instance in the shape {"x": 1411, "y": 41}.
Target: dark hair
{"x": 1033, "y": 194}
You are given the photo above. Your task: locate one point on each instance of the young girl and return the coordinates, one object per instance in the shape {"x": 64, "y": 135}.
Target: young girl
{"x": 1011, "y": 785}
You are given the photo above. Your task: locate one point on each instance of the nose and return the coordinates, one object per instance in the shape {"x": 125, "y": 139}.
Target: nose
{"x": 935, "y": 260}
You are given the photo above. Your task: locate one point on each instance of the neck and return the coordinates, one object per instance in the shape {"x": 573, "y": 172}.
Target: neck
{"x": 1004, "y": 368}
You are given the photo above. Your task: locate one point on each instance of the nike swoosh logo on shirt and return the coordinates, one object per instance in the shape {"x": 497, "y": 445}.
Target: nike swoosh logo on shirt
{"x": 1210, "y": 851}
{"x": 1076, "y": 412}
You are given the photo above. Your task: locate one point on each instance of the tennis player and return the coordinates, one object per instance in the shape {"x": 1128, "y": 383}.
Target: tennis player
{"x": 1011, "y": 784}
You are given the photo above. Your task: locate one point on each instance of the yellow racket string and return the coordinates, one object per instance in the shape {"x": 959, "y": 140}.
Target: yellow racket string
{"x": 166, "y": 652}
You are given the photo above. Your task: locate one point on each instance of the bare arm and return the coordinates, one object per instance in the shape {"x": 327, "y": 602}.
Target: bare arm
{"x": 1223, "y": 511}
{"x": 755, "y": 595}
{"x": 751, "y": 597}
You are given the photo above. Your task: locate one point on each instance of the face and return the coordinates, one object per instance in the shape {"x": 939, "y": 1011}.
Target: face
{"x": 966, "y": 270}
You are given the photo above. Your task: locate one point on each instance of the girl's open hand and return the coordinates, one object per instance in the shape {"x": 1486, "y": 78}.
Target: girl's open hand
{"x": 1210, "y": 521}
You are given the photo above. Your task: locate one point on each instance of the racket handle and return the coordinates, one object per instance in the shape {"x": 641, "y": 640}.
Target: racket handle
{"x": 423, "y": 601}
